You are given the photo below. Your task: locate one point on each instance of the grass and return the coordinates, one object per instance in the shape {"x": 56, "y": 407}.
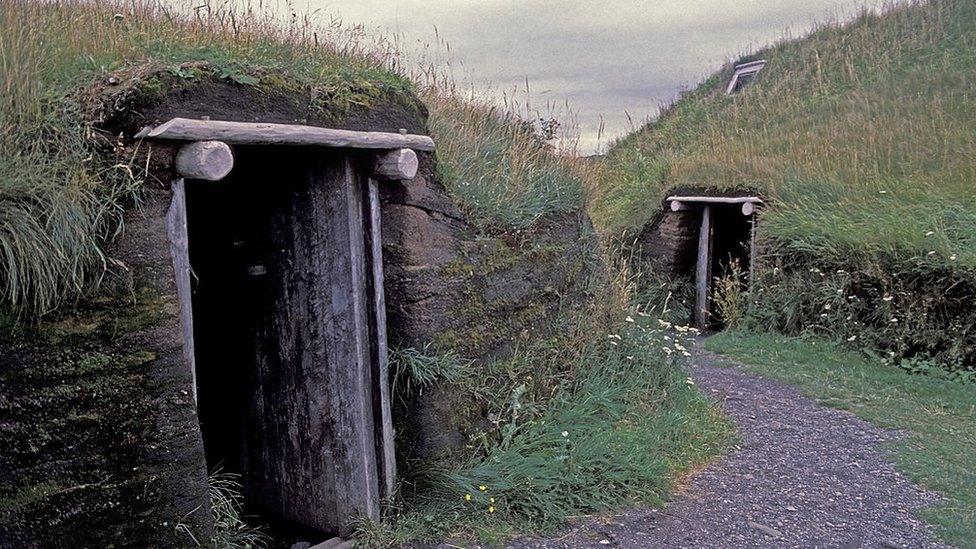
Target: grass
{"x": 570, "y": 433}
{"x": 504, "y": 173}
{"x": 938, "y": 417}
{"x": 860, "y": 138}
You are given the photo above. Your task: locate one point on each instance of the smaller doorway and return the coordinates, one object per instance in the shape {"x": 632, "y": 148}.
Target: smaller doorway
{"x": 724, "y": 254}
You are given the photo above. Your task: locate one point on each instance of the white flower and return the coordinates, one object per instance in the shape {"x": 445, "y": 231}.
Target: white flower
{"x": 614, "y": 336}
{"x": 952, "y": 257}
{"x": 667, "y": 350}
{"x": 565, "y": 434}
{"x": 887, "y": 298}
{"x": 882, "y": 192}
{"x": 629, "y": 319}
{"x": 685, "y": 353}
{"x": 932, "y": 252}
{"x": 613, "y": 343}
{"x": 630, "y": 358}
{"x": 827, "y": 306}
{"x": 689, "y": 381}
{"x": 823, "y": 315}
{"x": 852, "y": 338}
{"x": 930, "y": 233}
{"x": 895, "y": 320}
{"x": 664, "y": 323}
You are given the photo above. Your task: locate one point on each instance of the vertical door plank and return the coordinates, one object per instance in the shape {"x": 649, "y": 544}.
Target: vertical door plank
{"x": 179, "y": 249}
{"x": 703, "y": 271}
{"x": 381, "y": 394}
{"x": 311, "y": 449}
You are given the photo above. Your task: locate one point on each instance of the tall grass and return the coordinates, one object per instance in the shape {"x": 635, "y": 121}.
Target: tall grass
{"x": 594, "y": 418}
{"x": 502, "y": 169}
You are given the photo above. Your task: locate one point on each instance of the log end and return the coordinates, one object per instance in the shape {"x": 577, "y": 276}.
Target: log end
{"x": 206, "y": 160}
{"x": 399, "y": 165}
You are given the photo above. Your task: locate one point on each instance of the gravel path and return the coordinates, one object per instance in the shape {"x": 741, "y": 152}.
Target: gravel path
{"x": 804, "y": 476}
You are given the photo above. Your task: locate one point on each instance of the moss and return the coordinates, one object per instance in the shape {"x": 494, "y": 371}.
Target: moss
{"x": 26, "y": 495}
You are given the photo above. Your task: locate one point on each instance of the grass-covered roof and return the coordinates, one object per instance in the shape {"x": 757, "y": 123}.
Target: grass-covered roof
{"x": 860, "y": 136}
{"x": 64, "y": 186}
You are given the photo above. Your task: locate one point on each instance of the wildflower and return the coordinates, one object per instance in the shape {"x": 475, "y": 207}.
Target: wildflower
{"x": 679, "y": 347}
{"x": 491, "y": 508}
{"x": 667, "y": 350}
{"x": 629, "y": 319}
{"x": 613, "y": 343}
{"x": 887, "y": 298}
{"x": 482, "y": 487}
{"x": 823, "y": 315}
{"x": 930, "y": 233}
{"x": 894, "y": 320}
{"x": 852, "y": 338}
{"x": 952, "y": 257}
{"x": 841, "y": 271}
{"x": 882, "y": 191}
{"x": 827, "y": 306}
{"x": 689, "y": 381}
{"x": 467, "y": 497}
{"x": 630, "y": 358}
{"x": 931, "y": 252}
{"x": 491, "y": 500}
{"x": 614, "y": 336}
{"x": 685, "y": 353}
{"x": 565, "y": 434}
{"x": 664, "y": 323}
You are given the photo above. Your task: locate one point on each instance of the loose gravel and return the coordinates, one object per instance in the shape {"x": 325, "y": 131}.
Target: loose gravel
{"x": 803, "y": 476}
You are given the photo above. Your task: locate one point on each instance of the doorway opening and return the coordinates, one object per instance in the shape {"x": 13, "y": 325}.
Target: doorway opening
{"x": 723, "y": 263}
{"x": 284, "y": 334}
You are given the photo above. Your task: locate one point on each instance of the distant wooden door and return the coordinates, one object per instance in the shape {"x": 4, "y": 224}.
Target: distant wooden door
{"x": 310, "y": 451}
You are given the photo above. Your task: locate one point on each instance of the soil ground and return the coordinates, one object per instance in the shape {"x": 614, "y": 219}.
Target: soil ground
{"x": 802, "y": 476}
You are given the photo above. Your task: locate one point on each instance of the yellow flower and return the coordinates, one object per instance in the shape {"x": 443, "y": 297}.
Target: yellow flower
{"x": 467, "y": 497}
{"x": 491, "y": 500}
{"x": 482, "y": 487}
{"x": 491, "y": 509}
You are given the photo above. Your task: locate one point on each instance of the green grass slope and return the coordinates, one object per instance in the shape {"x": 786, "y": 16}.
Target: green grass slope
{"x": 861, "y": 137}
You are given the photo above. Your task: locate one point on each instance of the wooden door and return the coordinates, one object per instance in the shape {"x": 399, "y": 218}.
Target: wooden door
{"x": 310, "y": 441}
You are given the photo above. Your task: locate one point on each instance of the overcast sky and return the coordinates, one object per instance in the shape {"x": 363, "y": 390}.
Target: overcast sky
{"x": 606, "y": 58}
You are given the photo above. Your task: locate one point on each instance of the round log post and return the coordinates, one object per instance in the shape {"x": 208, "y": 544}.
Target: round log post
{"x": 399, "y": 164}
{"x": 206, "y": 160}
{"x": 748, "y": 208}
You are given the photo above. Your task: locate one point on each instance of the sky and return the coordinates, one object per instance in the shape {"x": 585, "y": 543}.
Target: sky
{"x": 613, "y": 63}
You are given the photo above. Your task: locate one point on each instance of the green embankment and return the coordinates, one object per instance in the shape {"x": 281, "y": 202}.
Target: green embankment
{"x": 861, "y": 138}
{"x": 938, "y": 417}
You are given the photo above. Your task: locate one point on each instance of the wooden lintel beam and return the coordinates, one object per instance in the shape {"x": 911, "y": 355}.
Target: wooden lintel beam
{"x": 264, "y": 133}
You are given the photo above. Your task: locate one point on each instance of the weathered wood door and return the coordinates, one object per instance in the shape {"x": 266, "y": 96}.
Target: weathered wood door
{"x": 310, "y": 442}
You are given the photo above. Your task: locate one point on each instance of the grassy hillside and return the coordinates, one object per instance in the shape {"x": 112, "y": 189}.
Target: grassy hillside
{"x": 861, "y": 137}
